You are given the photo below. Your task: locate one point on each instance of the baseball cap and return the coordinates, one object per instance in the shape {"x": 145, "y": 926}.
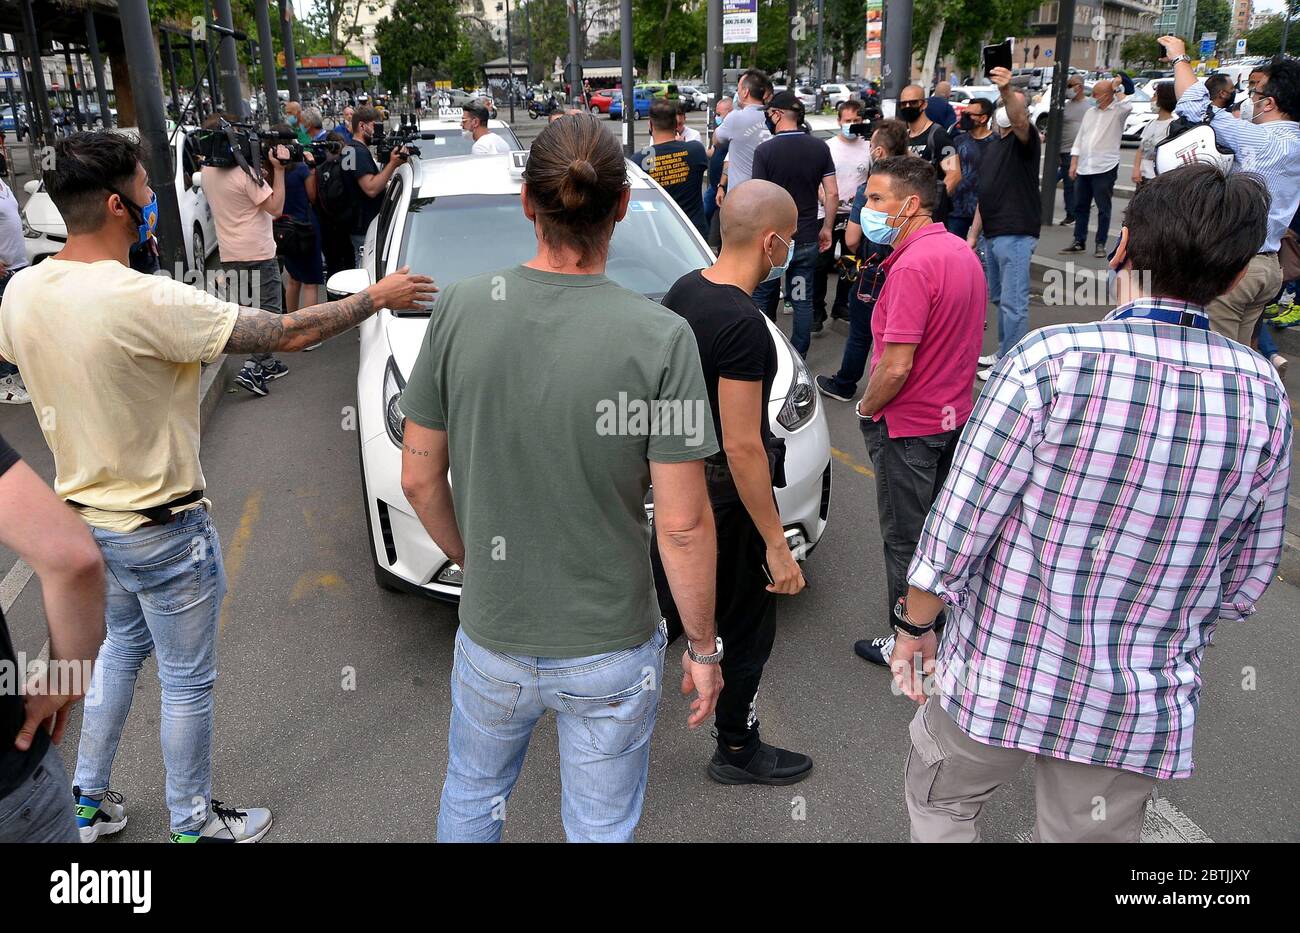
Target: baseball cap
{"x": 786, "y": 100}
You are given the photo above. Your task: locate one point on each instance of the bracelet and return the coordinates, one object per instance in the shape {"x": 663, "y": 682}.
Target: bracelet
{"x": 904, "y": 624}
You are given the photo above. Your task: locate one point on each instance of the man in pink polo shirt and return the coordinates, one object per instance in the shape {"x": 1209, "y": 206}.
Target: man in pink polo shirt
{"x": 927, "y": 331}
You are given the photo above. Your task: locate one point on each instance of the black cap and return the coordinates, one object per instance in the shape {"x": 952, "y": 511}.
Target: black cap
{"x": 786, "y": 100}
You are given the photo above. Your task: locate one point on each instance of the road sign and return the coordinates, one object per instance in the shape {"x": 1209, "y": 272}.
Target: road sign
{"x": 376, "y": 66}
{"x": 1208, "y": 42}
{"x": 739, "y": 21}
{"x": 1241, "y": 46}
{"x": 1048, "y": 53}
{"x": 672, "y": 61}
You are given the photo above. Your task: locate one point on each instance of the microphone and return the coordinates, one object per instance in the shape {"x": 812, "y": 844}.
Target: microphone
{"x": 233, "y": 33}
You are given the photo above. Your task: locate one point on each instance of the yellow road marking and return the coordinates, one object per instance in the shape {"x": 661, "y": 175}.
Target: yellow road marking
{"x": 234, "y": 554}
{"x": 310, "y": 581}
{"x": 852, "y": 464}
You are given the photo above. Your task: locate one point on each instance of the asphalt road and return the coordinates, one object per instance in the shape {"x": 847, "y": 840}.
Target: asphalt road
{"x": 367, "y": 764}
{"x": 304, "y": 616}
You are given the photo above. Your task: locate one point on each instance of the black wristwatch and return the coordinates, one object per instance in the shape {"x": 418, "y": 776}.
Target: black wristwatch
{"x": 903, "y": 624}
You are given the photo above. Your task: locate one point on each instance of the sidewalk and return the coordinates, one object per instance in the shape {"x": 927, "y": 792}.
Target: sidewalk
{"x": 1050, "y": 266}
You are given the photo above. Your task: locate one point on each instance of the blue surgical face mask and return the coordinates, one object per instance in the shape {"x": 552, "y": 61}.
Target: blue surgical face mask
{"x": 777, "y": 271}
{"x": 293, "y": 119}
{"x": 717, "y": 119}
{"x": 876, "y": 228}
{"x": 847, "y": 131}
{"x": 148, "y": 215}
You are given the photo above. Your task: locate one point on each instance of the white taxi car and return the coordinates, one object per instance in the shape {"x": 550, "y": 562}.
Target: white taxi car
{"x": 45, "y": 233}
{"x": 459, "y": 217}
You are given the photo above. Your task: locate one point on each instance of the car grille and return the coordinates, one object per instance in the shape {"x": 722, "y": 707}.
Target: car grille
{"x": 386, "y": 532}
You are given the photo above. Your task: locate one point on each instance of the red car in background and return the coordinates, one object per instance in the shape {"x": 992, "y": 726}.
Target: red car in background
{"x": 600, "y": 100}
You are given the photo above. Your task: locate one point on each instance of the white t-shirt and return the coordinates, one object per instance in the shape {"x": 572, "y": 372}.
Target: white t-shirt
{"x": 852, "y": 162}
{"x": 1153, "y": 134}
{"x": 13, "y": 251}
{"x": 489, "y": 144}
{"x": 690, "y": 135}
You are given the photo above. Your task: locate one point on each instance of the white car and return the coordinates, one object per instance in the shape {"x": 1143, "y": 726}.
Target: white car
{"x": 836, "y": 94}
{"x": 693, "y": 97}
{"x": 45, "y": 233}
{"x": 460, "y": 217}
{"x": 441, "y": 137}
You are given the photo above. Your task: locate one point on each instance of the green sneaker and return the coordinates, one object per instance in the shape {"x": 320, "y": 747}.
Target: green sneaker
{"x": 1272, "y": 311}
{"x": 1288, "y": 318}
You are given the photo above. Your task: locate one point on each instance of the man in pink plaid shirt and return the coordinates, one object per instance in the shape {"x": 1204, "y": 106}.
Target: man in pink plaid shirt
{"x": 1120, "y": 487}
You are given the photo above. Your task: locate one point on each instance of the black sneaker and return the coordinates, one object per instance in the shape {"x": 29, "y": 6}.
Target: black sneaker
{"x": 759, "y": 763}
{"x": 1075, "y": 248}
{"x": 818, "y": 327}
{"x": 875, "y": 650}
{"x": 251, "y": 379}
{"x": 826, "y": 386}
{"x": 1068, "y": 221}
{"x": 1100, "y": 251}
{"x": 273, "y": 369}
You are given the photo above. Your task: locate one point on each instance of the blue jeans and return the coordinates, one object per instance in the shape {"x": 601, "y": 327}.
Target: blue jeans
{"x": 164, "y": 587}
{"x": 604, "y": 709}
{"x": 1006, "y": 266}
{"x": 1089, "y": 188}
{"x": 959, "y": 226}
{"x": 857, "y": 346}
{"x": 799, "y": 288}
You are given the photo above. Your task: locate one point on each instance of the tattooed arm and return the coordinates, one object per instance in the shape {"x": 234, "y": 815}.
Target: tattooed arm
{"x": 263, "y": 332}
{"x": 425, "y": 459}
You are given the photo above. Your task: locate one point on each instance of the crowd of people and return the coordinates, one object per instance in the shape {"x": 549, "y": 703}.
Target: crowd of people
{"x": 1057, "y": 551}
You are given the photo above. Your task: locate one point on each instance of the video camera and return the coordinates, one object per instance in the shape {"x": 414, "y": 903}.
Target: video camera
{"x": 408, "y": 128}
{"x": 241, "y": 144}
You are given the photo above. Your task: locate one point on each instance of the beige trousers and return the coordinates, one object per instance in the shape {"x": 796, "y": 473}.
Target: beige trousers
{"x": 949, "y": 777}
{"x": 1235, "y": 313}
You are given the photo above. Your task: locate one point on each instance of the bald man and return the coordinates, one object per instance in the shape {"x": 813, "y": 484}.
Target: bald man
{"x": 938, "y": 109}
{"x": 758, "y": 221}
{"x": 928, "y": 139}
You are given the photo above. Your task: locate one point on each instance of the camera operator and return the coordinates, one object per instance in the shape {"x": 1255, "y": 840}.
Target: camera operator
{"x": 244, "y": 208}
{"x": 366, "y": 177}
{"x": 303, "y": 269}
{"x": 335, "y": 206}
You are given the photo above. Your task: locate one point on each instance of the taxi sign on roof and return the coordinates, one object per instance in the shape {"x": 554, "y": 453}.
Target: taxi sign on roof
{"x": 450, "y": 113}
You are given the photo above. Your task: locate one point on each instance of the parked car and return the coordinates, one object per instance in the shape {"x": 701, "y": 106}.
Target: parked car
{"x": 659, "y": 90}
{"x": 836, "y": 94}
{"x": 640, "y": 105}
{"x": 600, "y": 100}
{"x": 693, "y": 97}
{"x": 10, "y": 125}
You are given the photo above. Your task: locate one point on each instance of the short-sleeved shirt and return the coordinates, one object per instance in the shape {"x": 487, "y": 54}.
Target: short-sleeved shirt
{"x": 556, "y": 391}
{"x": 934, "y": 145}
{"x": 797, "y": 161}
{"x": 15, "y": 766}
{"x": 679, "y": 167}
{"x": 1010, "y": 203}
{"x": 732, "y": 336}
{"x": 13, "y": 249}
{"x": 715, "y": 162}
{"x": 367, "y": 207}
{"x": 934, "y": 296}
{"x": 970, "y": 152}
{"x": 743, "y": 129}
{"x": 245, "y": 232}
{"x": 114, "y": 355}
{"x": 489, "y": 144}
{"x": 852, "y": 160}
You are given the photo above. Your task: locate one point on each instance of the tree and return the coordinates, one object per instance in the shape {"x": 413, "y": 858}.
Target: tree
{"x": 1211, "y": 16}
{"x": 660, "y": 25}
{"x": 336, "y": 20}
{"x": 969, "y": 25}
{"x": 1266, "y": 38}
{"x": 845, "y": 31}
{"x": 417, "y": 33}
{"x": 1141, "y": 48}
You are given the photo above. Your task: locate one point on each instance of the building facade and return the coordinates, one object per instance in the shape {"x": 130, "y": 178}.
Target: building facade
{"x": 1100, "y": 28}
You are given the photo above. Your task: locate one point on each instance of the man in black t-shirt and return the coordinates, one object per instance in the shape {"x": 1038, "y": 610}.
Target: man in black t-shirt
{"x": 801, "y": 164}
{"x": 931, "y": 142}
{"x": 56, "y": 544}
{"x": 678, "y": 166}
{"x": 754, "y": 561}
{"x": 365, "y": 176}
{"x": 1009, "y": 215}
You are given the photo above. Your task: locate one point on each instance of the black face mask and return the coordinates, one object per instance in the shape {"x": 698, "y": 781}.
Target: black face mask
{"x": 910, "y": 113}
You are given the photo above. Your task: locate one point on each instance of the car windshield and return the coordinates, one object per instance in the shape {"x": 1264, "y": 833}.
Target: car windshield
{"x": 454, "y": 237}
{"x": 449, "y": 142}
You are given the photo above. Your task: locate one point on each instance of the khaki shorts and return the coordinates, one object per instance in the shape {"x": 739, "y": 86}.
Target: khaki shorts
{"x": 949, "y": 777}
{"x": 1236, "y": 313}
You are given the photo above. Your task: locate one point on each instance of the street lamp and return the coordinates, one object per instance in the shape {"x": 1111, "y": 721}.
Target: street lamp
{"x": 510, "y": 61}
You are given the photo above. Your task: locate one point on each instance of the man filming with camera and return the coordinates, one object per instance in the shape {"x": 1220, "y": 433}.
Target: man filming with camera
{"x": 364, "y": 174}
{"x": 245, "y": 200}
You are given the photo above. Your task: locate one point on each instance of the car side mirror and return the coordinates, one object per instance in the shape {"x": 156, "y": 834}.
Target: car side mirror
{"x": 32, "y": 186}
{"x": 348, "y": 282}
{"x": 196, "y": 180}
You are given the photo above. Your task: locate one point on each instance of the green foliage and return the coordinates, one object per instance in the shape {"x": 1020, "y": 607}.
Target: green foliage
{"x": 1141, "y": 48}
{"x": 969, "y": 25}
{"x": 1211, "y": 16}
{"x": 845, "y": 32}
{"x": 417, "y": 33}
{"x": 1266, "y": 38}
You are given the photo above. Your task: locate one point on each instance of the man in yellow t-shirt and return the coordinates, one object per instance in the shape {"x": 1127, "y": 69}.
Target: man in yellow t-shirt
{"x": 112, "y": 361}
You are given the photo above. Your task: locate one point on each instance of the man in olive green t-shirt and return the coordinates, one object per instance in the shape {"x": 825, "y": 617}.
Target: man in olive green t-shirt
{"x": 553, "y": 409}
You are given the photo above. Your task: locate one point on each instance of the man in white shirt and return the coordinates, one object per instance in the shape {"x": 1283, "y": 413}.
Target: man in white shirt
{"x": 851, "y": 154}
{"x": 685, "y": 133}
{"x": 1094, "y": 160}
{"x": 474, "y": 123}
{"x": 13, "y": 256}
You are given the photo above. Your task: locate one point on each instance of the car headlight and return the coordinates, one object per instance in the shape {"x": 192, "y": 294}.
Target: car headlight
{"x": 801, "y": 401}
{"x": 394, "y": 420}
{"x": 28, "y": 232}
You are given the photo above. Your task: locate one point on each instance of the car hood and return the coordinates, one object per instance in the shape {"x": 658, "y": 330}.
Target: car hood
{"x": 43, "y": 216}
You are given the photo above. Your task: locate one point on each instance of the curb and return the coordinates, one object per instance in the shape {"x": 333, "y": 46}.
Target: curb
{"x": 216, "y": 379}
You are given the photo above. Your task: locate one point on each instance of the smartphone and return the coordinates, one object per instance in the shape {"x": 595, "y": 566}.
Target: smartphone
{"x": 1164, "y": 51}
{"x": 999, "y": 56}
{"x": 767, "y": 573}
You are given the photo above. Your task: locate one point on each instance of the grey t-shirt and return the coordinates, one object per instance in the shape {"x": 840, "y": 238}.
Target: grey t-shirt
{"x": 1071, "y": 120}
{"x": 744, "y": 128}
{"x": 555, "y": 391}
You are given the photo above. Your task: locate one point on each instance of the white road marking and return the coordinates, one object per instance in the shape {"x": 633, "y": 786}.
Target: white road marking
{"x": 11, "y": 587}
{"x": 1164, "y": 823}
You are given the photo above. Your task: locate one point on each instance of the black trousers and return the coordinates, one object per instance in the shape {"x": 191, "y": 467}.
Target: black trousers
{"x": 746, "y": 616}
{"x": 825, "y": 265}
{"x": 909, "y": 474}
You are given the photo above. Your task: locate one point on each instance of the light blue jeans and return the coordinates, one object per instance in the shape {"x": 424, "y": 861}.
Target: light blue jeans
{"x": 605, "y": 709}
{"x": 165, "y": 585}
{"x": 1006, "y": 266}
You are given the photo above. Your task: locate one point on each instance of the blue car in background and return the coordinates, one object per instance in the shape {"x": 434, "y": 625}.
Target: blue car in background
{"x": 640, "y": 104}
{"x": 8, "y": 124}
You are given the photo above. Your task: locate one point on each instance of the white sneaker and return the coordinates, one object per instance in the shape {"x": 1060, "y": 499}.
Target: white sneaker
{"x": 226, "y": 824}
{"x": 108, "y": 818}
{"x": 989, "y": 360}
{"x": 1279, "y": 363}
{"x": 13, "y": 392}
{"x": 984, "y": 374}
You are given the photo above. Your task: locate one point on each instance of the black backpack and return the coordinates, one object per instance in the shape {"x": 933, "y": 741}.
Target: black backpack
{"x": 337, "y": 200}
